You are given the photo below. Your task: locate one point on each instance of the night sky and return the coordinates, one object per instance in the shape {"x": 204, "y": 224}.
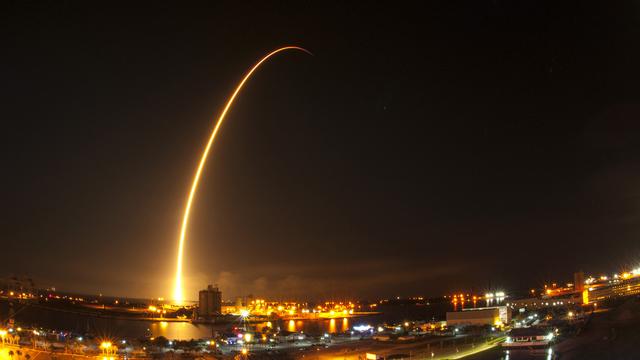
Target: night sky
{"x": 422, "y": 149}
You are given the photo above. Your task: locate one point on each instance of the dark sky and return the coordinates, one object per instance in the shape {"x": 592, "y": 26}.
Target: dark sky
{"x": 421, "y": 150}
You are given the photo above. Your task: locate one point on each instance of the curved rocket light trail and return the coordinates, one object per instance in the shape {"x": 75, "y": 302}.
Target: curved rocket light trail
{"x": 178, "y": 294}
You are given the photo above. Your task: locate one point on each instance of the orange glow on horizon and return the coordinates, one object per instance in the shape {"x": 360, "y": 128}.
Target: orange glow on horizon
{"x": 178, "y": 292}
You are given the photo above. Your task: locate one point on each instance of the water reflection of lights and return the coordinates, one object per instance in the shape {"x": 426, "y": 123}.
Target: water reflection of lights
{"x": 332, "y": 326}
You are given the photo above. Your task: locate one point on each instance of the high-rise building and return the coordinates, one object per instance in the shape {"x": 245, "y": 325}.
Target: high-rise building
{"x": 210, "y": 303}
{"x": 578, "y": 281}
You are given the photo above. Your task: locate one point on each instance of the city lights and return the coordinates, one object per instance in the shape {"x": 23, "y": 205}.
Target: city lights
{"x": 362, "y": 328}
{"x": 105, "y": 345}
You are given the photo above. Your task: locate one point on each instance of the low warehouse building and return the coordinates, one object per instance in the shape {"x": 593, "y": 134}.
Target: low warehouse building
{"x": 497, "y": 315}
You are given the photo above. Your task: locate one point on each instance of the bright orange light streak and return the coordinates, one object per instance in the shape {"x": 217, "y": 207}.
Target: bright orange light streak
{"x": 178, "y": 294}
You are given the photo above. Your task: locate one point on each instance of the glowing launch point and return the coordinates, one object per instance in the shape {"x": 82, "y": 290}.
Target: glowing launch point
{"x": 178, "y": 293}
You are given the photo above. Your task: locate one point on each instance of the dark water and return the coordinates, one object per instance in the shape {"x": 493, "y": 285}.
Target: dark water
{"x": 28, "y": 316}
{"x": 499, "y": 354}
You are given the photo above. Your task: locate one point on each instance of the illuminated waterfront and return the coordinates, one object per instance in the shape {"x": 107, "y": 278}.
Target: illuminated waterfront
{"x": 132, "y": 328}
{"x": 76, "y": 323}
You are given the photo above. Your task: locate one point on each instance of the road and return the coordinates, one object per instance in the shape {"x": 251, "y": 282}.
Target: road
{"x": 452, "y": 348}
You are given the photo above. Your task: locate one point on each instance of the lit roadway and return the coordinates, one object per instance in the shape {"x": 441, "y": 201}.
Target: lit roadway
{"x": 422, "y": 349}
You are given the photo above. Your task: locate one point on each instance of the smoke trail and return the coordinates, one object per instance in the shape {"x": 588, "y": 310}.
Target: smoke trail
{"x": 178, "y": 294}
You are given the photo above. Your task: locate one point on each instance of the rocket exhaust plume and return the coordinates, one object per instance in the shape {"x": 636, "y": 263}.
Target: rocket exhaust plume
{"x": 178, "y": 293}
